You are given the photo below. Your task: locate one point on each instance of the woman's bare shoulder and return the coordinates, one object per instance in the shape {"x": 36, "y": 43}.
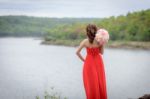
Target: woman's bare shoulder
{"x": 84, "y": 42}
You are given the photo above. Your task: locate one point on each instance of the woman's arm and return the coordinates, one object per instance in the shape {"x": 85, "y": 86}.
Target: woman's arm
{"x": 101, "y": 49}
{"x": 82, "y": 44}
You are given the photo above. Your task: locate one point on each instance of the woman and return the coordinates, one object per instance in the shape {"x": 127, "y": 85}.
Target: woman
{"x": 93, "y": 68}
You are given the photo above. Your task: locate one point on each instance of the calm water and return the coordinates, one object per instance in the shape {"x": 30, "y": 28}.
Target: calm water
{"x": 28, "y": 69}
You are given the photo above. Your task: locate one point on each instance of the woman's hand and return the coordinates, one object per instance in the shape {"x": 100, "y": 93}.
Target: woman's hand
{"x": 101, "y": 49}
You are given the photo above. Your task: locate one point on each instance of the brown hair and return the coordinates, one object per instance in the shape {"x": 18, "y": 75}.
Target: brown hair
{"x": 91, "y": 30}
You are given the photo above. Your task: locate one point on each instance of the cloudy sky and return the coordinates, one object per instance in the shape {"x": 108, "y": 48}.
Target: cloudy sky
{"x": 71, "y": 8}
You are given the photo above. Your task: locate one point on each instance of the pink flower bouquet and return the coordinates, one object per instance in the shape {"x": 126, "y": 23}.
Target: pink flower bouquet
{"x": 102, "y": 36}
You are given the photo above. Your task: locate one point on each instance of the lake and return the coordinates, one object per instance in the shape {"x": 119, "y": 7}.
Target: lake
{"x": 28, "y": 69}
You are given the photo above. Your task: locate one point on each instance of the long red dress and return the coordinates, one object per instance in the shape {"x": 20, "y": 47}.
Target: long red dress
{"x": 94, "y": 75}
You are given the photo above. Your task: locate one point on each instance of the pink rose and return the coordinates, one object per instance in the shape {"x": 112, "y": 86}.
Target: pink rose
{"x": 102, "y": 36}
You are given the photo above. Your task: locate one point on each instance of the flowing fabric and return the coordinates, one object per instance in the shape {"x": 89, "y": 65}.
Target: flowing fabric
{"x": 94, "y": 75}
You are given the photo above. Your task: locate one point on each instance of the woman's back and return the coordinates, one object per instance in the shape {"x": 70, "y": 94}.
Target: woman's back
{"x": 88, "y": 44}
{"x": 93, "y": 45}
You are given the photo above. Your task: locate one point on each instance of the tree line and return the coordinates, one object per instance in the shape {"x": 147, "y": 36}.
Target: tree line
{"x": 130, "y": 27}
{"x": 133, "y": 26}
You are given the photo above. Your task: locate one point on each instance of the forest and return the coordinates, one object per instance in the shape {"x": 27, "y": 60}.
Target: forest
{"x": 34, "y": 26}
{"x": 133, "y": 26}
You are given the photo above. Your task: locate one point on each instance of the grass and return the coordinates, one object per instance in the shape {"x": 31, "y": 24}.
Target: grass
{"x": 51, "y": 95}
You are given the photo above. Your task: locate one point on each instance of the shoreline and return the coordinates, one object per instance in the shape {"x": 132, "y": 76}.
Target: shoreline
{"x": 110, "y": 44}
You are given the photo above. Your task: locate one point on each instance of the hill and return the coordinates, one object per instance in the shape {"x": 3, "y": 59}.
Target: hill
{"x": 33, "y": 26}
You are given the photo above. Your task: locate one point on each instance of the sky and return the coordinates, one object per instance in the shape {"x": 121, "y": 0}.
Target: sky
{"x": 72, "y": 8}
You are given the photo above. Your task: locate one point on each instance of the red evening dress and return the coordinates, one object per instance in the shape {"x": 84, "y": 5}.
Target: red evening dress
{"x": 94, "y": 79}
